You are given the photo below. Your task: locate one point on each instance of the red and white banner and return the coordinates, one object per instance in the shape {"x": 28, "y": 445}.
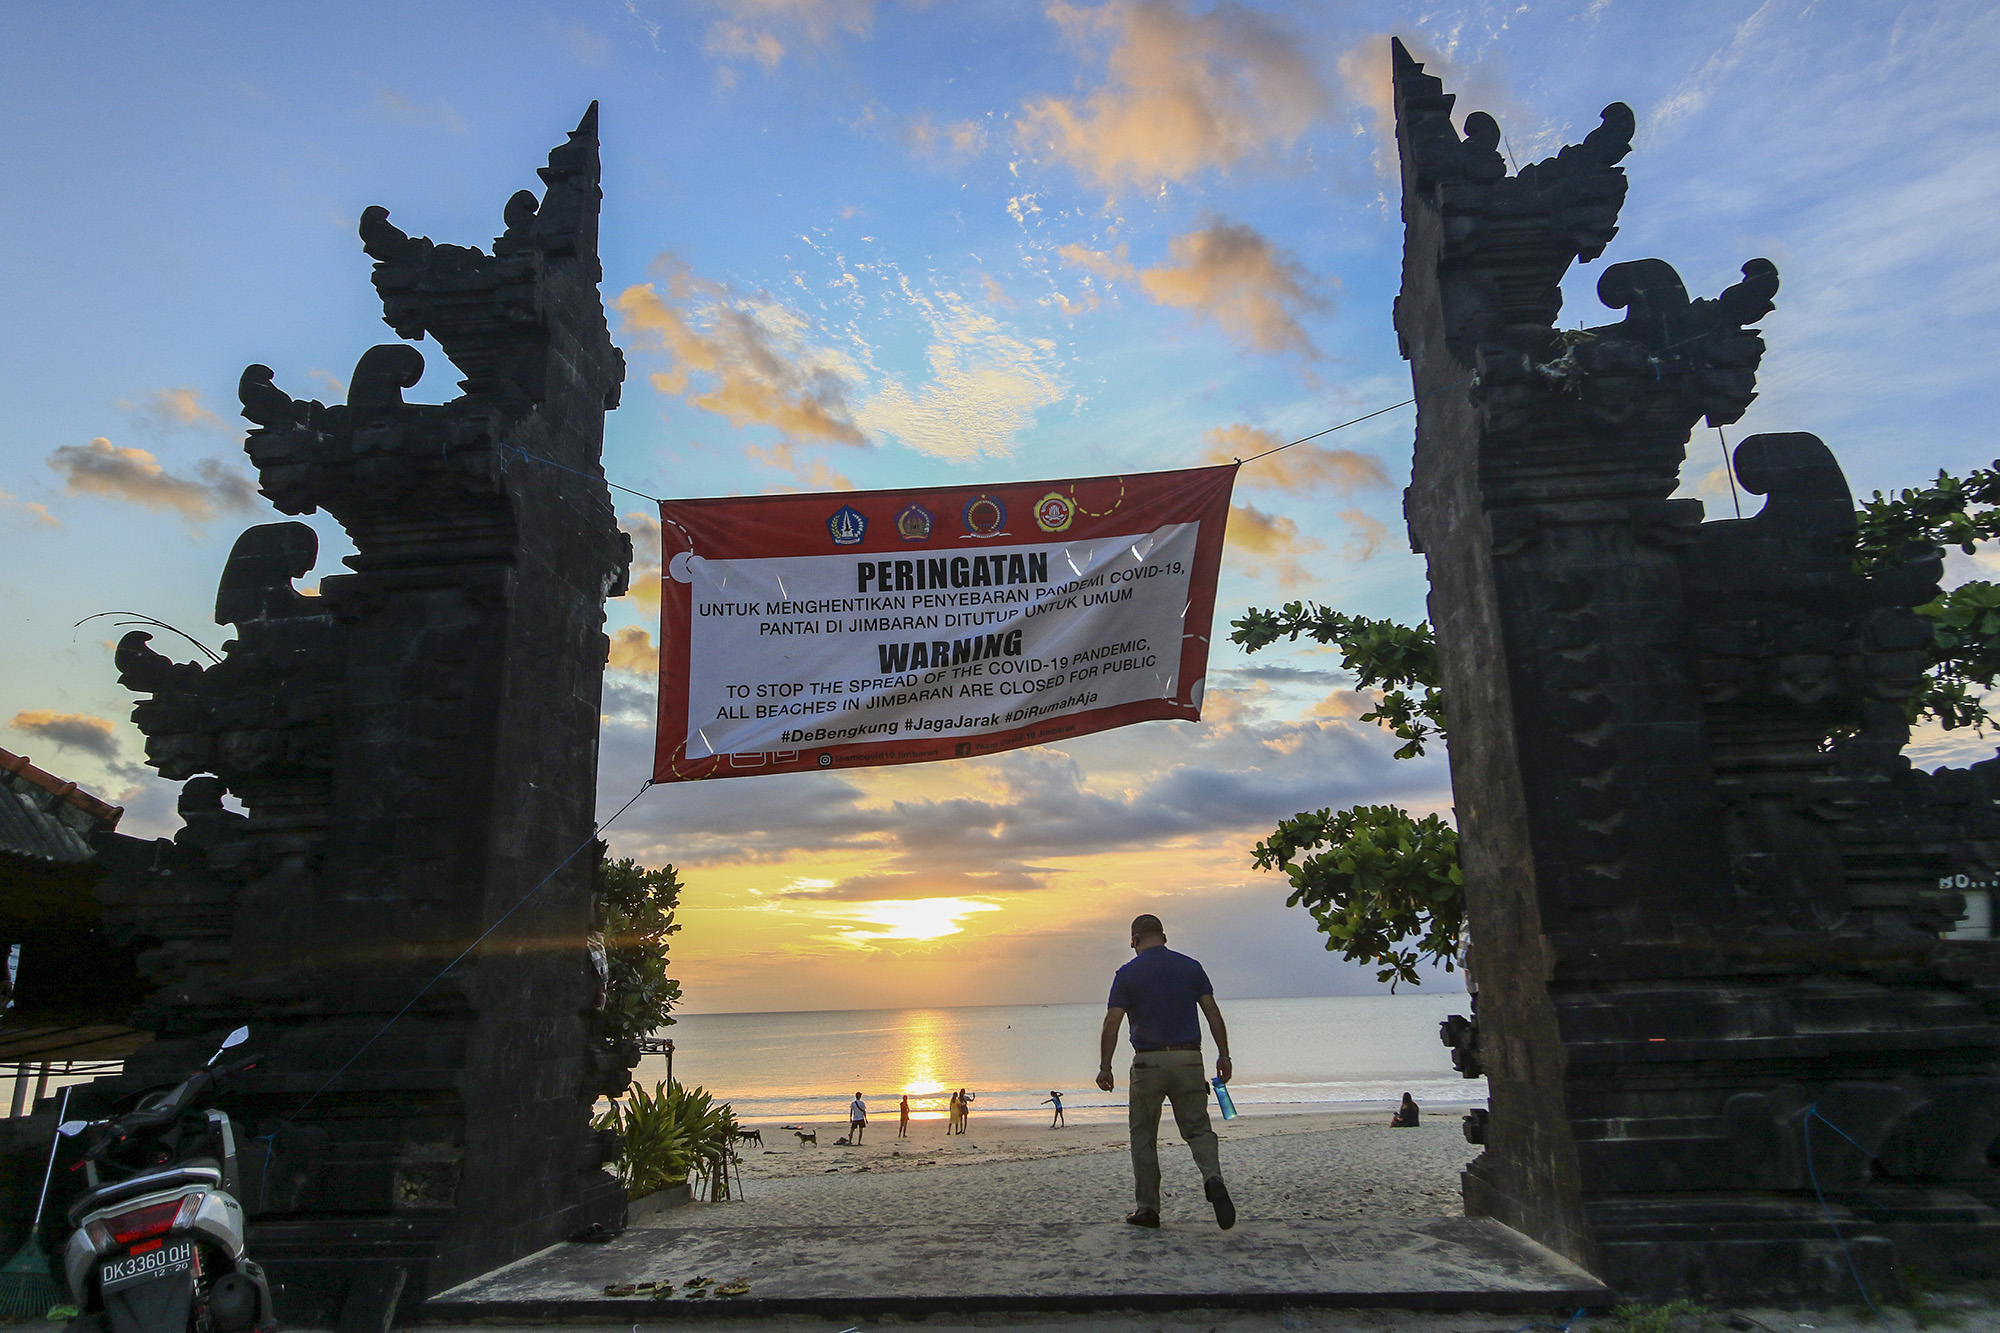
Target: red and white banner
{"x": 894, "y": 627}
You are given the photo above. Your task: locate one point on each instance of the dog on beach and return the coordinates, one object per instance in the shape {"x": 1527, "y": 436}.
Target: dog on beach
{"x": 750, "y": 1136}
{"x": 807, "y": 1136}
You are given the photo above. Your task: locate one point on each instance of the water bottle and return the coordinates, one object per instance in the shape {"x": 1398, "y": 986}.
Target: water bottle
{"x": 1223, "y": 1099}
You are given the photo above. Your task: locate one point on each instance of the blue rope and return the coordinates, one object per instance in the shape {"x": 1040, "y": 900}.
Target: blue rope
{"x": 1812, "y": 1174}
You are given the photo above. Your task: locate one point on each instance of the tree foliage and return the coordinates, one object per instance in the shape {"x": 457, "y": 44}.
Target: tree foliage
{"x": 1375, "y": 879}
{"x": 1383, "y": 886}
{"x": 638, "y": 907}
{"x": 1965, "y": 653}
{"x": 1384, "y": 656}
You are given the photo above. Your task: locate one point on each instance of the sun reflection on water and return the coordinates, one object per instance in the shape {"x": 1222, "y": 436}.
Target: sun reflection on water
{"x": 920, "y": 1056}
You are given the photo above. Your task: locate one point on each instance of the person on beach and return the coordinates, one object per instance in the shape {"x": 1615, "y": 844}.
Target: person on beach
{"x": 1055, "y": 1099}
{"x": 964, "y": 1109}
{"x": 1160, "y": 991}
{"x": 951, "y": 1116}
{"x": 1404, "y": 1116}
{"x": 857, "y": 1119}
{"x": 903, "y": 1125}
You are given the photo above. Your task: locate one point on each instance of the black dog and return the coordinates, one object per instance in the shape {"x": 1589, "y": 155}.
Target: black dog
{"x": 751, "y": 1136}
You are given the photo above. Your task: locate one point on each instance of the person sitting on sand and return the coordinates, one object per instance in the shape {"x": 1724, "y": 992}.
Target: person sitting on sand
{"x": 1161, "y": 991}
{"x": 1054, "y": 1098}
{"x": 1404, "y": 1116}
{"x": 857, "y": 1119}
{"x": 903, "y": 1125}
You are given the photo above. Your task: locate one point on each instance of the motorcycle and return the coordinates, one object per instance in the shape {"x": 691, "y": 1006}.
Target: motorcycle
{"x": 156, "y": 1244}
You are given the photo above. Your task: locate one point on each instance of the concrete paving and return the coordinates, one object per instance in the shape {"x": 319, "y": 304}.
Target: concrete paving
{"x": 1435, "y": 1263}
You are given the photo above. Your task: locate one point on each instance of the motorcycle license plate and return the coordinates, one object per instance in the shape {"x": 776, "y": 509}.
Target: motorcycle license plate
{"x": 174, "y": 1257}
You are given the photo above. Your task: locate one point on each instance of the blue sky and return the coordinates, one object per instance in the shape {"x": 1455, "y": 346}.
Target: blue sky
{"x": 872, "y": 243}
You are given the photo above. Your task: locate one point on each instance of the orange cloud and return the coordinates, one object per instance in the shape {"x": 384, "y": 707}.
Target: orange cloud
{"x": 1230, "y": 273}
{"x": 176, "y": 407}
{"x": 136, "y": 476}
{"x": 34, "y": 508}
{"x": 1272, "y": 542}
{"x": 69, "y": 731}
{"x": 748, "y": 29}
{"x": 1365, "y": 535}
{"x": 1342, "y": 705}
{"x": 960, "y": 139}
{"x": 1302, "y": 467}
{"x": 985, "y": 385}
{"x": 751, "y": 358}
{"x": 1182, "y": 95}
{"x": 645, "y": 581}
{"x": 633, "y": 649}
{"x": 1112, "y": 263}
{"x": 814, "y": 474}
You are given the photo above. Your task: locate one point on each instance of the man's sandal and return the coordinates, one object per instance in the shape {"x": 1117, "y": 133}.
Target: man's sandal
{"x": 1143, "y": 1217}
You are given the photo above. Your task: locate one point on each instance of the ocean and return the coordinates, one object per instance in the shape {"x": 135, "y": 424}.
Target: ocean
{"x": 1333, "y": 1052}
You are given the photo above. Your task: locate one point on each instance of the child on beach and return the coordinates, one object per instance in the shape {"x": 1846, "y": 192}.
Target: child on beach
{"x": 1054, "y": 1098}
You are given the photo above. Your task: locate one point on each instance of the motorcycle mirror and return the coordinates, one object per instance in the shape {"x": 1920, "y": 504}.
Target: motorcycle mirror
{"x": 236, "y": 1038}
{"x": 69, "y": 1129}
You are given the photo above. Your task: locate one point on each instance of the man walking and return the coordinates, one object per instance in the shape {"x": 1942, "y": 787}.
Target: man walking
{"x": 857, "y": 1120}
{"x": 1160, "y": 990}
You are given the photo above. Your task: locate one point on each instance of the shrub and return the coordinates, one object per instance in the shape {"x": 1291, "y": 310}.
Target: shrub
{"x": 672, "y": 1135}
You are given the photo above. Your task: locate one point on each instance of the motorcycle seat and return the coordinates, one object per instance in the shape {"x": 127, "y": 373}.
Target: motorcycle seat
{"x": 183, "y": 1176}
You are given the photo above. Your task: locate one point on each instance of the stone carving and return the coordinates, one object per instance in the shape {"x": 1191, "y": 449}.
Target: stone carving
{"x": 1706, "y": 888}
{"x": 414, "y": 748}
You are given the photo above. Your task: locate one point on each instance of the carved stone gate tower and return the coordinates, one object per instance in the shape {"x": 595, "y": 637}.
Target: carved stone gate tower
{"x": 416, "y": 748}
{"x": 1703, "y": 884}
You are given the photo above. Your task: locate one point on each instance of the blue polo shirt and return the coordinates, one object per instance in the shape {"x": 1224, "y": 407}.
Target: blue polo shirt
{"x": 1157, "y": 990}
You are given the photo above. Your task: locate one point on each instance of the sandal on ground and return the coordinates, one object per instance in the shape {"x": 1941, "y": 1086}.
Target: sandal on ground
{"x": 1143, "y": 1217}
{"x": 1225, "y": 1208}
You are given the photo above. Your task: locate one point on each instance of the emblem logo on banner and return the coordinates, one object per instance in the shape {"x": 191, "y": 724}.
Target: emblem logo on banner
{"x": 780, "y": 654}
{"x": 1054, "y": 511}
{"x": 985, "y": 516}
{"x": 847, "y": 526}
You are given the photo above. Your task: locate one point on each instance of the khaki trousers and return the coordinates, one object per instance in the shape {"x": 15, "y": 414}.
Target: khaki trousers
{"x": 1175, "y": 1076}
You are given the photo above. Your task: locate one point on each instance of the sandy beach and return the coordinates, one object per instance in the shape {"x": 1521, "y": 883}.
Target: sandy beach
{"x": 1319, "y": 1164}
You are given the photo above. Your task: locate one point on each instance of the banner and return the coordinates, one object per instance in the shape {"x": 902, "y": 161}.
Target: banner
{"x": 895, "y": 627}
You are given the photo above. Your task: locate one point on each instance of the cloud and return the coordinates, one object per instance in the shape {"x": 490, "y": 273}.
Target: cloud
{"x": 748, "y": 29}
{"x": 1365, "y": 535}
{"x": 392, "y": 105}
{"x": 644, "y": 530}
{"x": 992, "y": 826}
{"x": 813, "y": 474}
{"x": 1272, "y": 542}
{"x": 742, "y": 358}
{"x": 961, "y": 140}
{"x": 632, "y": 649}
{"x": 1183, "y": 94}
{"x": 34, "y": 508}
{"x": 136, "y": 476}
{"x": 985, "y": 385}
{"x": 69, "y": 731}
{"x": 176, "y": 407}
{"x": 936, "y": 882}
{"x": 1300, "y": 468}
{"x": 1230, "y": 273}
